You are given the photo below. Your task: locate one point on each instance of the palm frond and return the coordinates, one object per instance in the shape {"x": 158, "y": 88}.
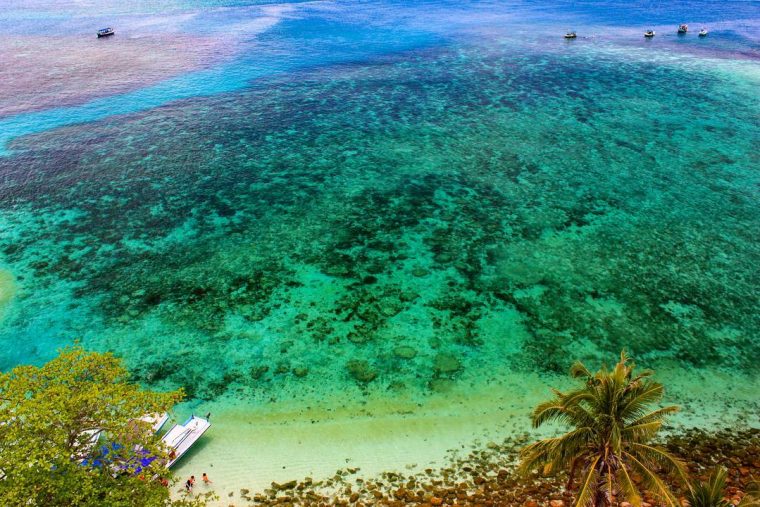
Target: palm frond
{"x": 661, "y": 457}
{"x": 709, "y": 494}
{"x": 578, "y": 369}
{"x": 589, "y": 486}
{"x": 642, "y": 432}
{"x": 555, "y": 452}
{"x": 654, "y": 484}
{"x": 655, "y": 415}
{"x": 552, "y": 410}
{"x": 717, "y": 482}
{"x": 627, "y": 488}
{"x": 640, "y": 398}
{"x": 536, "y": 454}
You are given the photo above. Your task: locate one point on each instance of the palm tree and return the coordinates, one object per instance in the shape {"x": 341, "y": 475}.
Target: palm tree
{"x": 710, "y": 494}
{"x": 609, "y": 442}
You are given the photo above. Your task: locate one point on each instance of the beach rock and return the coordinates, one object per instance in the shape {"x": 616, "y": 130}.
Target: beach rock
{"x": 436, "y": 501}
{"x": 284, "y": 486}
{"x": 560, "y": 503}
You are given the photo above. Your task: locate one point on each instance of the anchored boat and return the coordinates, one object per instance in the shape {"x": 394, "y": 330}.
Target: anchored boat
{"x": 105, "y": 32}
{"x": 182, "y": 436}
{"x": 703, "y": 32}
{"x": 683, "y": 28}
{"x": 649, "y": 34}
{"x": 570, "y": 35}
{"x": 156, "y": 421}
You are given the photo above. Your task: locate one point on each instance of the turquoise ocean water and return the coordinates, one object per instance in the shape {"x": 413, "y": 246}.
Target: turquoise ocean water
{"x": 387, "y": 197}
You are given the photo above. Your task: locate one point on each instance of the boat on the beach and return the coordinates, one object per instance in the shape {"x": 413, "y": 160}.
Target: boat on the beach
{"x": 181, "y": 437}
{"x": 156, "y": 421}
{"x": 105, "y": 32}
{"x": 683, "y": 28}
{"x": 703, "y": 32}
{"x": 649, "y": 34}
{"x": 571, "y": 35}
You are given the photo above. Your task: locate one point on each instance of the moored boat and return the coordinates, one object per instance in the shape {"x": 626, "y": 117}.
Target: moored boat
{"x": 105, "y": 32}
{"x": 571, "y": 35}
{"x": 703, "y": 32}
{"x": 156, "y": 421}
{"x": 683, "y": 28}
{"x": 649, "y": 34}
{"x": 181, "y": 437}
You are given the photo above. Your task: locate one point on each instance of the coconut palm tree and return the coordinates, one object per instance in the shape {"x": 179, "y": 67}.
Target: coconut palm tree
{"x": 710, "y": 494}
{"x": 610, "y": 438}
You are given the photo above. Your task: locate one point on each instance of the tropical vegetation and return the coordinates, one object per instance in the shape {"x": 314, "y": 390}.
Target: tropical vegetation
{"x": 712, "y": 493}
{"x": 50, "y": 417}
{"x": 612, "y": 425}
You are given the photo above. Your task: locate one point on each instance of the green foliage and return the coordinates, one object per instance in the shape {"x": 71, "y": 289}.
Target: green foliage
{"x": 48, "y": 415}
{"x": 609, "y": 442}
{"x": 752, "y": 496}
{"x": 709, "y": 494}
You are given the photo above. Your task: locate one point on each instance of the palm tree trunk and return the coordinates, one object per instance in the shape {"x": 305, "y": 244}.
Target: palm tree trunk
{"x": 571, "y": 475}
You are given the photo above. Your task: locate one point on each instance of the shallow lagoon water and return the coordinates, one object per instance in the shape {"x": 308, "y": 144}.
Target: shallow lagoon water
{"x": 405, "y": 218}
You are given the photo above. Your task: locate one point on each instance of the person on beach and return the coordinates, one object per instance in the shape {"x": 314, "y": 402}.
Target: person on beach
{"x": 205, "y": 478}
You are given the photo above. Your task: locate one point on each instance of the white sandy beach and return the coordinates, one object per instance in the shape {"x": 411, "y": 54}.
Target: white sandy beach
{"x": 243, "y": 450}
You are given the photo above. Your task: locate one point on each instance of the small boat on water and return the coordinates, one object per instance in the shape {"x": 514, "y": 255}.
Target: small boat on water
{"x": 571, "y": 35}
{"x": 649, "y": 34}
{"x": 105, "y": 32}
{"x": 182, "y": 436}
{"x": 703, "y": 32}
{"x": 683, "y": 28}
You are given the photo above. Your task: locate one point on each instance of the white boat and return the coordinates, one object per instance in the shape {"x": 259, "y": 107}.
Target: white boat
{"x": 182, "y": 436}
{"x": 571, "y": 35}
{"x": 649, "y": 34}
{"x": 703, "y": 32}
{"x": 86, "y": 444}
{"x": 156, "y": 421}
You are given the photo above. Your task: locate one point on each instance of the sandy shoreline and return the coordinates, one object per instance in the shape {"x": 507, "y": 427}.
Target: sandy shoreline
{"x": 248, "y": 451}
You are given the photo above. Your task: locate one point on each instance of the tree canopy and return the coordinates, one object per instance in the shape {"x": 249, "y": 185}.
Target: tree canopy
{"x": 50, "y": 417}
{"x": 612, "y": 424}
